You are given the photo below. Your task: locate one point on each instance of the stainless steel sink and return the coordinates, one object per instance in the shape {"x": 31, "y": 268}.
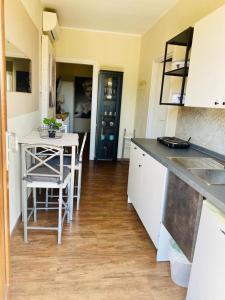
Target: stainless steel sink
{"x": 210, "y": 176}
{"x": 198, "y": 163}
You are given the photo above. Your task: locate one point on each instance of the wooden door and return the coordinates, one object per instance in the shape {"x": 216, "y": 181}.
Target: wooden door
{"x": 206, "y": 79}
{"x": 4, "y": 218}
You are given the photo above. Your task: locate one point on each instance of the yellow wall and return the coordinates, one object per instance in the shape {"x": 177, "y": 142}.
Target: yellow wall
{"x": 23, "y": 34}
{"x": 67, "y": 72}
{"x": 23, "y": 108}
{"x": 109, "y": 51}
{"x": 34, "y": 9}
{"x": 184, "y": 14}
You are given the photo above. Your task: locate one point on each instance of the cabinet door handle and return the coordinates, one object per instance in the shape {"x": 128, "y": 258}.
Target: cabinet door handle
{"x": 223, "y": 103}
{"x": 223, "y": 232}
{"x": 135, "y": 148}
{"x": 139, "y": 166}
{"x": 216, "y": 103}
{"x": 143, "y": 154}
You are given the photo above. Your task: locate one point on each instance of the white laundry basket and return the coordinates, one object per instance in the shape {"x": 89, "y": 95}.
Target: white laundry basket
{"x": 180, "y": 266}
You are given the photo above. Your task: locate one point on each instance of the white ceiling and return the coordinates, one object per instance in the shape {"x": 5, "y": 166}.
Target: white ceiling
{"x": 126, "y": 16}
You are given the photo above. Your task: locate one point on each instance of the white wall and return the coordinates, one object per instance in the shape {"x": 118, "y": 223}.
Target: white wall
{"x": 21, "y": 125}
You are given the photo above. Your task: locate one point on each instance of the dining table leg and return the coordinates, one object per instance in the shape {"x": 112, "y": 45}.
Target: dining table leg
{"x": 72, "y": 181}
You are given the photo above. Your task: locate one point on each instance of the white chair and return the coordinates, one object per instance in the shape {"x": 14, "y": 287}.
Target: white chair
{"x": 40, "y": 174}
{"x": 78, "y": 172}
{"x": 78, "y": 168}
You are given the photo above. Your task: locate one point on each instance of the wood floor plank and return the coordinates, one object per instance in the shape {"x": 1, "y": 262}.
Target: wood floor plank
{"x": 105, "y": 254}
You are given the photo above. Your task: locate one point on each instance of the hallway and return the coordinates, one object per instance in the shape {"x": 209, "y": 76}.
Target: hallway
{"x": 105, "y": 253}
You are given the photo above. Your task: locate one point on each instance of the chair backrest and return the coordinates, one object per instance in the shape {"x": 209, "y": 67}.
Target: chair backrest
{"x": 82, "y": 147}
{"x": 39, "y": 155}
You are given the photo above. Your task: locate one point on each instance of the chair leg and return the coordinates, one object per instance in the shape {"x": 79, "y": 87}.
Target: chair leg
{"x": 76, "y": 183}
{"x": 35, "y": 204}
{"x": 46, "y": 199}
{"x": 60, "y": 217}
{"x": 71, "y": 198}
{"x": 79, "y": 187}
{"x": 39, "y": 191}
{"x": 25, "y": 216}
{"x": 68, "y": 203}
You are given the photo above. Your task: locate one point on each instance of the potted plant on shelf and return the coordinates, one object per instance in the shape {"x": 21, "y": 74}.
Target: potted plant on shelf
{"x": 52, "y": 126}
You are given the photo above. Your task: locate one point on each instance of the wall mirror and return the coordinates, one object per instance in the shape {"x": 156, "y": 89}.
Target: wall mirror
{"x": 18, "y": 70}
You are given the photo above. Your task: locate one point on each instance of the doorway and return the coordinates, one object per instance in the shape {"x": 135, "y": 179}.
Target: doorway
{"x": 157, "y": 114}
{"x": 95, "y": 66}
{"x": 161, "y": 119}
{"x": 74, "y": 98}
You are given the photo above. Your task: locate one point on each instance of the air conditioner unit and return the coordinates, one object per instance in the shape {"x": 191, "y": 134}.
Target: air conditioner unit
{"x": 50, "y": 25}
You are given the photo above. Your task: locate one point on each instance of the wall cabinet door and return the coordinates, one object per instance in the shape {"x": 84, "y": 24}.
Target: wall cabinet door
{"x": 152, "y": 198}
{"x": 135, "y": 176}
{"x": 206, "y": 79}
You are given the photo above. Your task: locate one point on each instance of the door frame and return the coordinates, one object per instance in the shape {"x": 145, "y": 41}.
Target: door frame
{"x": 96, "y": 69}
{"x": 172, "y": 112}
{"x": 152, "y": 97}
{"x": 4, "y": 203}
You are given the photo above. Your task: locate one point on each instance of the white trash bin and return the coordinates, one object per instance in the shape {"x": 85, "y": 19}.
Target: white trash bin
{"x": 180, "y": 266}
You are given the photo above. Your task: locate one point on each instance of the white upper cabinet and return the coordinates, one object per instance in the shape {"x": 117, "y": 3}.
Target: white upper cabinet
{"x": 206, "y": 79}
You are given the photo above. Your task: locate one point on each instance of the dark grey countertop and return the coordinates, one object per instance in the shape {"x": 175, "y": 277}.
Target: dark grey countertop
{"x": 214, "y": 193}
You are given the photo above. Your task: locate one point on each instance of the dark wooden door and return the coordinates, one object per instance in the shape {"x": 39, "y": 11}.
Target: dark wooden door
{"x": 4, "y": 208}
{"x": 108, "y": 116}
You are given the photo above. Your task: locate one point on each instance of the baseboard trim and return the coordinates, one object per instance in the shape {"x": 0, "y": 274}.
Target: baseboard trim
{"x": 123, "y": 159}
{"x": 19, "y": 220}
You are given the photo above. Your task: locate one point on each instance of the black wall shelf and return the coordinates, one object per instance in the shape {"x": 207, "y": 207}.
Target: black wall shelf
{"x": 183, "y": 39}
{"x": 177, "y": 72}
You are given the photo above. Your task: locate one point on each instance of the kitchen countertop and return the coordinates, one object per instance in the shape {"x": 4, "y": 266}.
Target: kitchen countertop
{"x": 214, "y": 193}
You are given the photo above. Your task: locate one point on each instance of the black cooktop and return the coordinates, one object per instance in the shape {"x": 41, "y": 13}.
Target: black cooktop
{"x": 173, "y": 142}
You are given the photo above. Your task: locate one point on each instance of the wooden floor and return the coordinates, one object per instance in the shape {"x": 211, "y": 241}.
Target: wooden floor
{"x": 105, "y": 254}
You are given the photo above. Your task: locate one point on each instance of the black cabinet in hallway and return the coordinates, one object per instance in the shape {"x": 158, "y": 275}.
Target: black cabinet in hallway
{"x": 108, "y": 114}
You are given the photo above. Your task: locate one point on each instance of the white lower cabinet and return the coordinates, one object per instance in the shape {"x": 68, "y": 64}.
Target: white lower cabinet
{"x": 152, "y": 196}
{"x": 135, "y": 176}
{"x": 146, "y": 191}
{"x": 207, "y": 280}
